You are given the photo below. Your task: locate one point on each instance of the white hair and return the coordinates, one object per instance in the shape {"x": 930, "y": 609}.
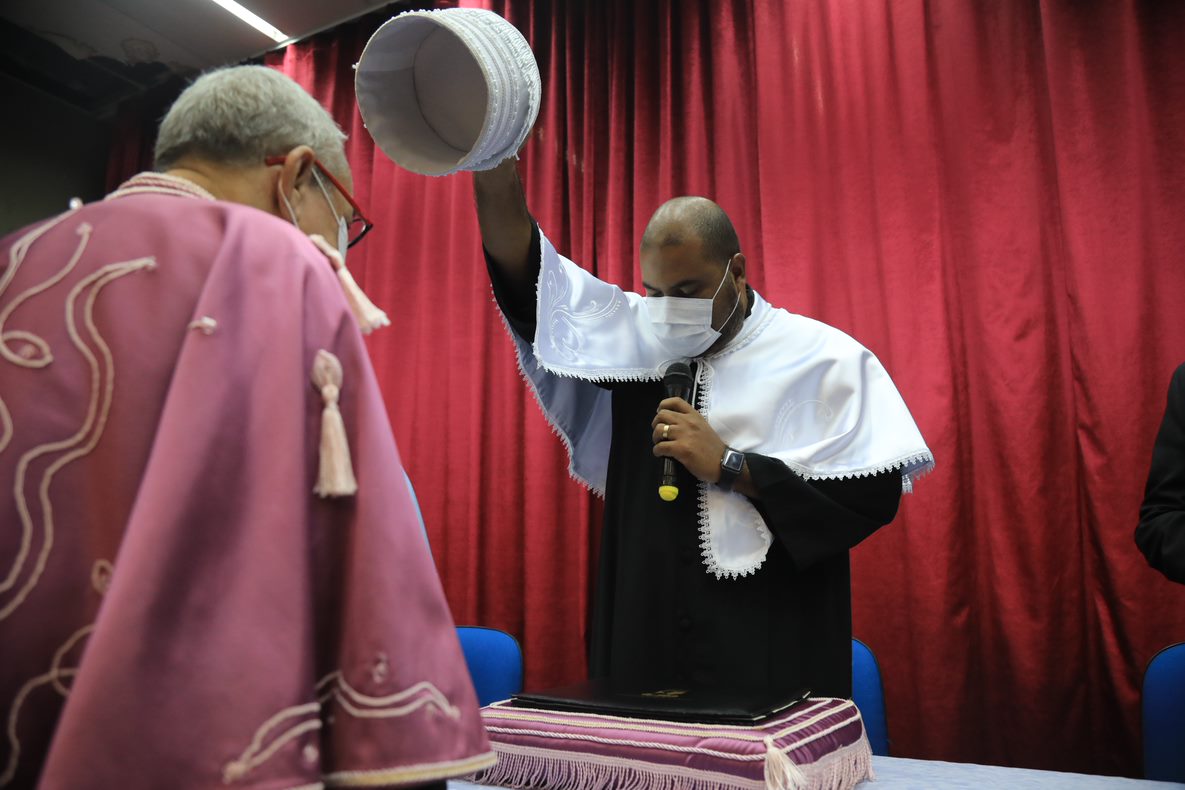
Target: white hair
{"x": 243, "y": 114}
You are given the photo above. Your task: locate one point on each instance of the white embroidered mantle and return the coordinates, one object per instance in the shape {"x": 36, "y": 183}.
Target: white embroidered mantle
{"x": 787, "y": 386}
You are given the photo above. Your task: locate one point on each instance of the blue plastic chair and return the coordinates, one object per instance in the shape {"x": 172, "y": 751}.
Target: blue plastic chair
{"x": 869, "y": 696}
{"x": 494, "y": 658}
{"x": 495, "y": 662}
{"x": 1162, "y": 715}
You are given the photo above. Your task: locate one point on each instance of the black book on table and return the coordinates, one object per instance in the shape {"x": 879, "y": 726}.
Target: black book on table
{"x": 708, "y": 706}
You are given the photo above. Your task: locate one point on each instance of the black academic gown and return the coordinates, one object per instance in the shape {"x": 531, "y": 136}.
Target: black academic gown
{"x": 661, "y": 620}
{"x": 1161, "y": 532}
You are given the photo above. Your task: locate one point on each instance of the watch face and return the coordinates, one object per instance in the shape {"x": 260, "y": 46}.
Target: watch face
{"x": 733, "y": 461}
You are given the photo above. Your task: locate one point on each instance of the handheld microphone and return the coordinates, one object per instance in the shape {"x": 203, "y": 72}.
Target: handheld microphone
{"x": 677, "y": 382}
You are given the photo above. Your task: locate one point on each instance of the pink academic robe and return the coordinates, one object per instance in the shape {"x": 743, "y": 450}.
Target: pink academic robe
{"x": 177, "y": 607}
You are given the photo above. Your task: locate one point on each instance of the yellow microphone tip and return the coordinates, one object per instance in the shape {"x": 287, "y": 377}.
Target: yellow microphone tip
{"x": 668, "y": 493}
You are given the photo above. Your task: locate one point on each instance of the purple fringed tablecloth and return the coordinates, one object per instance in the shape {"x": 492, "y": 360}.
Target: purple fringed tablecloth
{"x": 818, "y": 745}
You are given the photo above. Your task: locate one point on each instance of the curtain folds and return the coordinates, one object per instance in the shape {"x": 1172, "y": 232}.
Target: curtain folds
{"x": 990, "y": 196}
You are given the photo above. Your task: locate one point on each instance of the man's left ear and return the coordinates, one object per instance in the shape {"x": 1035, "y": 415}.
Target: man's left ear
{"x": 737, "y": 266}
{"x": 296, "y": 171}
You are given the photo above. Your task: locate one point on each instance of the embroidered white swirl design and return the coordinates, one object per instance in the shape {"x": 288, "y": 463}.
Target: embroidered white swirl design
{"x": 54, "y": 677}
{"x": 35, "y": 353}
{"x": 307, "y": 717}
{"x": 563, "y": 323}
{"x": 74, "y": 447}
{"x": 5, "y": 426}
{"x": 781, "y": 427}
{"x": 16, "y": 258}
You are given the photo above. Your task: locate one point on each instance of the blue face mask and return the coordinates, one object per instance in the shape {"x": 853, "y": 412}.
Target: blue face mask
{"x": 684, "y": 324}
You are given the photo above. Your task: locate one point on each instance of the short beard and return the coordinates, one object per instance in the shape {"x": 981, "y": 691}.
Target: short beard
{"x": 732, "y": 326}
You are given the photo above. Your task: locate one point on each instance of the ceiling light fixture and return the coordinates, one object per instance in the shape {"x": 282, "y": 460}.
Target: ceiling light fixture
{"x": 251, "y": 19}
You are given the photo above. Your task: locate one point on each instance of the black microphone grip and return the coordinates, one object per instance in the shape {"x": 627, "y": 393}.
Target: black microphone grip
{"x": 677, "y": 382}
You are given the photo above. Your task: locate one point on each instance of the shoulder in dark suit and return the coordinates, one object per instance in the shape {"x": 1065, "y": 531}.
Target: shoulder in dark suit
{"x": 1161, "y": 533}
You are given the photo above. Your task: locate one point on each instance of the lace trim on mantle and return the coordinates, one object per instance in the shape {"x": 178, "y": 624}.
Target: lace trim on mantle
{"x": 555, "y": 429}
{"x": 912, "y": 467}
{"x": 705, "y": 377}
{"x": 620, "y": 375}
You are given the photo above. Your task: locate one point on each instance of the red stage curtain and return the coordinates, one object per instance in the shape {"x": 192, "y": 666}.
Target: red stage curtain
{"x": 991, "y": 196}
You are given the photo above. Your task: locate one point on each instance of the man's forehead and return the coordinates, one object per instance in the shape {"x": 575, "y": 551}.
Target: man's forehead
{"x": 684, "y": 253}
{"x": 673, "y": 266}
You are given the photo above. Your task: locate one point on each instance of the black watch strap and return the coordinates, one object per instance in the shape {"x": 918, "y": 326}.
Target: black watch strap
{"x": 730, "y": 467}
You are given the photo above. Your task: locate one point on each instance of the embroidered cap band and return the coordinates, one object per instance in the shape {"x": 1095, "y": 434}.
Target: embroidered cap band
{"x": 448, "y": 90}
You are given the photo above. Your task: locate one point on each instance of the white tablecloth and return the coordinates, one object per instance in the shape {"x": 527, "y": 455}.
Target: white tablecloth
{"x": 897, "y": 773}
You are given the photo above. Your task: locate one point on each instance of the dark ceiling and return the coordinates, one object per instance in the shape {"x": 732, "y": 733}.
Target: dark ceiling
{"x": 95, "y": 54}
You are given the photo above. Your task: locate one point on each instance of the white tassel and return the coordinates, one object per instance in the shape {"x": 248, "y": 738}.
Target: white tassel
{"x": 780, "y": 771}
{"x": 368, "y": 315}
{"x": 335, "y": 477}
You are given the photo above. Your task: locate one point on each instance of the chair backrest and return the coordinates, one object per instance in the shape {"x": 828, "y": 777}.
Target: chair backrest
{"x": 869, "y": 696}
{"x": 1162, "y": 715}
{"x": 495, "y": 662}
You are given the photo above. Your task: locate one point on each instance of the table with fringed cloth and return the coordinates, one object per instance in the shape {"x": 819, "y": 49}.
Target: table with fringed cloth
{"x": 819, "y": 744}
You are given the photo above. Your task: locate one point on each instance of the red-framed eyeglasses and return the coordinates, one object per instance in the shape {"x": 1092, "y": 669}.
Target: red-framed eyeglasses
{"x": 359, "y": 225}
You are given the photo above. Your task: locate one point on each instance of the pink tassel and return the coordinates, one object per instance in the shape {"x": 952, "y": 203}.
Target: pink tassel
{"x": 335, "y": 476}
{"x": 780, "y": 771}
{"x": 368, "y": 315}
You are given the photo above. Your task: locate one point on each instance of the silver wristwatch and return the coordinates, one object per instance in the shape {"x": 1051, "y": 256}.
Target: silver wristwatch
{"x": 730, "y": 467}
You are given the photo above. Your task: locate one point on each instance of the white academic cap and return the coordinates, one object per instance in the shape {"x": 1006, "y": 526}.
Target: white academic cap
{"x": 448, "y": 90}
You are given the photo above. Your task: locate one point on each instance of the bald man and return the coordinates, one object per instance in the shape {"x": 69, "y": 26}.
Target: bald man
{"x": 793, "y": 446}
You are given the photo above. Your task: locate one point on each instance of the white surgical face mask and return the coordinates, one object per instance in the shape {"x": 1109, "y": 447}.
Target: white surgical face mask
{"x": 343, "y": 232}
{"x": 684, "y": 324}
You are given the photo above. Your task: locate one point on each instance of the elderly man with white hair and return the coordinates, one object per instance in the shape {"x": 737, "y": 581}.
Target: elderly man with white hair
{"x": 211, "y": 571}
